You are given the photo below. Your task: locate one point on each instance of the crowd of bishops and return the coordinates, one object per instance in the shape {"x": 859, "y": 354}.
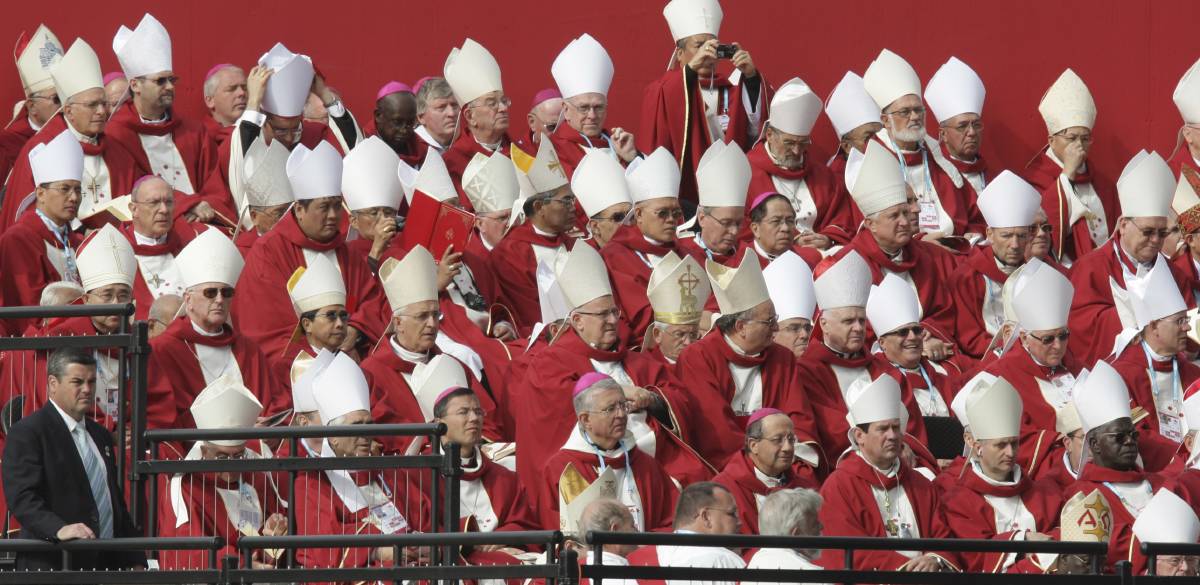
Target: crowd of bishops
{"x": 690, "y": 326}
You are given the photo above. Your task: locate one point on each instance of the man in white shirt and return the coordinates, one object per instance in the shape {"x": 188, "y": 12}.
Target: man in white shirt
{"x": 789, "y": 513}
{"x": 704, "y": 508}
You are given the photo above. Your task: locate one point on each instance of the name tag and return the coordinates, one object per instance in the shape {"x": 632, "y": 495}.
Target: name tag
{"x": 929, "y": 215}
{"x": 723, "y": 120}
{"x": 1170, "y": 426}
{"x": 388, "y": 519}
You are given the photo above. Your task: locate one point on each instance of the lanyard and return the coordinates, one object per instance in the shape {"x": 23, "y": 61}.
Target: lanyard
{"x": 1128, "y": 505}
{"x": 60, "y": 235}
{"x": 628, "y": 478}
{"x": 933, "y": 402}
{"x": 1175, "y": 392}
{"x": 904, "y": 167}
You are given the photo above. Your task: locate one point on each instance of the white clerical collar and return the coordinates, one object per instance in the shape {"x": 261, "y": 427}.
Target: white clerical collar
{"x": 1067, "y": 465}
{"x": 78, "y": 136}
{"x": 613, "y": 559}
{"x": 1154, "y": 355}
{"x": 201, "y": 330}
{"x": 1005, "y": 268}
{"x": 486, "y": 245}
{"x": 738, "y": 350}
{"x": 147, "y": 240}
{"x": 961, "y": 159}
{"x": 652, "y": 241}
{"x": 423, "y": 132}
{"x": 540, "y": 231}
{"x": 842, "y": 354}
{"x": 761, "y": 252}
{"x": 1039, "y": 362}
{"x": 33, "y": 124}
{"x": 771, "y": 482}
{"x": 411, "y": 357}
{"x": 490, "y": 147}
{"x": 977, "y": 470}
{"x": 886, "y": 472}
{"x": 775, "y": 159}
{"x": 466, "y": 464}
{"x": 166, "y": 117}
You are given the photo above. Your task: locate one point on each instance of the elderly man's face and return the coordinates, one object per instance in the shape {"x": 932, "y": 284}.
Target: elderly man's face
{"x": 1114, "y": 444}
{"x": 207, "y": 304}
{"x": 719, "y": 228}
{"x": 488, "y": 115}
{"x": 153, "y": 208}
{"x": 543, "y": 118}
{"x": 439, "y": 118}
{"x": 905, "y": 118}
{"x": 464, "y": 421}
{"x": 210, "y": 452}
{"x": 774, "y": 452}
{"x": 586, "y": 113}
{"x": 1169, "y": 334}
{"x": 603, "y": 226}
{"x": 658, "y": 218}
{"x": 87, "y": 111}
{"x": 265, "y": 218}
{"x": 327, "y": 329}
{"x": 757, "y": 332}
{"x": 367, "y": 222}
{"x": 229, "y": 100}
{"x": 903, "y": 346}
{"x": 776, "y": 231}
{"x": 892, "y": 228}
{"x": 1176, "y": 565}
{"x": 156, "y": 90}
{"x": 794, "y": 334}
{"x": 844, "y": 328}
{"x": 396, "y": 119}
{"x": 59, "y": 200}
{"x": 1047, "y": 346}
{"x": 860, "y": 136}
{"x": 417, "y": 326}
{"x": 596, "y": 322}
{"x": 1060, "y": 141}
{"x": 606, "y": 418}
{"x": 42, "y": 105}
{"x": 1008, "y": 244}
{"x": 881, "y": 442}
{"x": 319, "y": 218}
{"x": 352, "y": 446}
{"x": 1143, "y": 237}
{"x": 788, "y": 149}
{"x": 114, "y": 92}
{"x": 963, "y": 134}
{"x": 117, "y": 293}
{"x": 692, "y": 44}
{"x": 492, "y": 225}
{"x": 1039, "y": 236}
{"x": 673, "y": 339}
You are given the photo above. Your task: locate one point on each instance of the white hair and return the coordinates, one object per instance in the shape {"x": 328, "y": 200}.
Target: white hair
{"x": 63, "y": 292}
{"x": 210, "y": 84}
{"x": 785, "y": 510}
{"x": 583, "y": 400}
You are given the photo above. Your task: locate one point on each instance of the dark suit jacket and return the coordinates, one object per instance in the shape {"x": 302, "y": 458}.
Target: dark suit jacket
{"x": 47, "y": 488}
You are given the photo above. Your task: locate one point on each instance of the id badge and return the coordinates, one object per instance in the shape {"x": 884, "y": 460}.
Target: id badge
{"x": 1170, "y": 426}
{"x": 929, "y": 215}
{"x": 1065, "y": 384}
{"x": 723, "y": 120}
{"x": 388, "y": 519}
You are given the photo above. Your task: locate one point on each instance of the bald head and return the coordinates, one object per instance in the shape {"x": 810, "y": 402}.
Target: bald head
{"x": 152, "y": 204}
{"x": 608, "y": 515}
{"x": 162, "y": 311}
{"x": 396, "y": 119}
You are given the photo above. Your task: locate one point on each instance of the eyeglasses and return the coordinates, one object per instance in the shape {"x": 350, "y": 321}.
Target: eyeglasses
{"x": 587, "y": 109}
{"x": 781, "y": 439}
{"x": 963, "y": 127}
{"x": 93, "y": 105}
{"x": 796, "y": 144}
{"x": 211, "y": 293}
{"x": 162, "y": 81}
{"x": 908, "y": 112}
{"x": 1152, "y": 232}
{"x": 772, "y": 322}
{"x": 1122, "y": 437}
{"x": 1050, "y": 339}
{"x": 494, "y": 104}
{"x": 377, "y": 211}
{"x": 613, "y": 314}
{"x": 566, "y": 200}
{"x": 1045, "y": 228}
{"x": 617, "y": 217}
{"x": 111, "y": 297}
{"x": 797, "y": 328}
{"x": 53, "y": 98}
{"x": 343, "y": 316}
{"x": 426, "y": 316}
{"x": 624, "y": 407}
{"x": 76, "y": 190}
{"x": 1174, "y": 562}
{"x": 1178, "y": 321}
{"x": 226, "y": 456}
{"x": 664, "y": 213}
{"x": 904, "y": 333}
{"x": 1082, "y": 138}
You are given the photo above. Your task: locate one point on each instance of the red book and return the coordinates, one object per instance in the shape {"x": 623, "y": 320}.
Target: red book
{"x": 436, "y": 225}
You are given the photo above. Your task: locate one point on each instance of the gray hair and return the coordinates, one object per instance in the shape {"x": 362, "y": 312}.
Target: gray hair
{"x": 158, "y": 309}
{"x": 726, "y": 323}
{"x": 784, "y": 510}
{"x": 63, "y": 292}
{"x": 63, "y": 357}
{"x": 602, "y": 515}
{"x": 210, "y": 84}
{"x": 584, "y": 399}
{"x": 434, "y": 88}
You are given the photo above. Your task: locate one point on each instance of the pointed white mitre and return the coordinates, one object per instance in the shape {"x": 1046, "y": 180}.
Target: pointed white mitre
{"x": 845, "y": 284}
{"x": 340, "y": 389}
{"x": 583, "y": 66}
{"x": 1156, "y": 296}
{"x": 1167, "y": 518}
{"x": 143, "y": 50}
{"x": 959, "y": 405}
{"x": 266, "y": 181}
{"x": 544, "y": 173}
{"x": 581, "y": 275}
{"x": 105, "y": 258}
{"x": 315, "y": 173}
{"x": 78, "y": 70}
{"x": 1042, "y": 298}
{"x": 954, "y": 89}
{"x": 1191, "y": 410}
{"x": 210, "y": 257}
{"x": 892, "y": 304}
{"x": 738, "y": 289}
{"x": 677, "y": 290}
{"x": 1146, "y": 186}
{"x": 369, "y": 177}
{"x": 1187, "y": 94}
{"x": 60, "y": 159}
{"x": 303, "y": 373}
{"x": 994, "y": 411}
{"x": 490, "y": 182}
{"x": 319, "y": 284}
{"x": 654, "y": 177}
{"x": 1185, "y": 198}
{"x": 1067, "y": 104}
{"x": 226, "y": 404}
{"x": 850, "y": 106}
{"x": 433, "y": 179}
{"x": 723, "y": 176}
{"x": 890, "y": 78}
{"x": 599, "y": 182}
{"x": 795, "y": 108}
{"x": 35, "y": 58}
{"x": 551, "y": 301}
{"x": 429, "y": 380}
{"x": 410, "y": 280}
{"x": 693, "y": 17}
{"x": 790, "y": 282}
{"x": 875, "y": 400}
{"x": 875, "y": 180}
{"x": 289, "y": 85}
{"x": 1102, "y": 398}
{"x": 472, "y": 72}
{"x": 1009, "y": 201}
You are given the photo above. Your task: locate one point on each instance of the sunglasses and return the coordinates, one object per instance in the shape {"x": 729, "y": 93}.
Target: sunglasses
{"x": 162, "y": 81}
{"x": 1049, "y": 339}
{"x": 915, "y": 330}
{"x": 211, "y": 293}
{"x": 617, "y": 217}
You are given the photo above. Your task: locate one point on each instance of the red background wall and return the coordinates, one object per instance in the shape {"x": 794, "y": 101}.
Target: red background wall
{"x": 1130, "y": 53}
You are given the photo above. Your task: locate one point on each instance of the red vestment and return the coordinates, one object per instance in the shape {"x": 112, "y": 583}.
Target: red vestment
{"x": 460, "y": 153}
{"x": 509, "y": 501}
{"x": 570, "y": 145}
{"x": 957, "y": 200}
{"x": 219, "y": 133}
{"x": 740, "y": 479}
{"x": 627, "y": 257}
{"x": 1156, "y": 449}
{"x": 835, "y": 212}
{"x": 1182, "y": 158}
{"x": 515, "y": 266}
{"x": 969, "y": 285}
{"x": 197, "y": 148}
{"x": 245, "y": 241}
{"x": 263, "y": 310}
{"x": 1120, "y": 539}
{"x": 25, "y": 265}
{"x": 1183, "y": 265}
{"x": 850, "y": 510}
{"x": 1043, "y": 173}
{"x": 181, "y": 233}
{"x": 970, "y": 515}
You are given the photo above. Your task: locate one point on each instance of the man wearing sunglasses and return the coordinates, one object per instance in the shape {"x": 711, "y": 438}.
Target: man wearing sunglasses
{"x": 319, "y": 299}
{"x": 474, "y": 76}
{"x": 178, "y": 149}
{"x": 603, "y": 194}
{"x": 722, "y": 182}
{"x": 583, "y": 72}
{"x": 1105, "y": 277}
{"x": 955, "y": 95}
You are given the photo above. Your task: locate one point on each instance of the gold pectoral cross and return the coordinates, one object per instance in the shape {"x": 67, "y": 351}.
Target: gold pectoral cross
{"x": 155, "y": 280}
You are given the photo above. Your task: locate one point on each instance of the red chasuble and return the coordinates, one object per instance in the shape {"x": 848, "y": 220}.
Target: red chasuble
{"x": 968, "y": 288}
{"x": 175, "y": 376}
{"x": 545, "y": 416}
{"x": 970, "y": 515}
{"x": 509, "y": 501}
{"x": 262, "y": 308}
{"x": 943, "y": 379}
{"x": 695, "y": 247}
{"x": 320, "y": 511}
{"x": 1039, "y": 441}
{"x": 1094, "y": 321}
{"x": 216, "y": 131}
{"x": 1184, "y": 265}
{"x": 1182, "y": 158}
{"x": 673, "y": 117}
{"x": 181, "y": 233}
{"x": 245, "y": 241}
{"x": 1156, "y": 449}
{"x": 655, "y": 489}
{"x": 748, "y": 491}
{"x": 1121, "y": 545}
{"x": 25, "y": 265}
{"x": 957, "y": 201}
{"x": 704, "y": 369}
{"x": 835, "y": 210}
{"x": 570, "y": 145}
{"x": 850, "y": 510}
{"x": 515, "y": 266}
{"x": 460, "y": 153}
{"x": 1043, "y": 173}
{"x": 196, "y": 146}
{"x": 123, "y": 170}
{"x": 627, "y": 257}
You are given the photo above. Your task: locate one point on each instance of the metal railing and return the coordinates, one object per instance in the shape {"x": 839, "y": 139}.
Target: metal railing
{"x": 68, "y": 576}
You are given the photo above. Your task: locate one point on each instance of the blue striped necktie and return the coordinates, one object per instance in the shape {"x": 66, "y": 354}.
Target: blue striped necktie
{"x": 97, "y": 480}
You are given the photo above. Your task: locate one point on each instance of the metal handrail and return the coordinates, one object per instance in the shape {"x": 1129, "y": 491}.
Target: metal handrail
{"x": 43, "y": 312}
{"x": 306, "y": 432}
{"x": 600, "y": 538}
